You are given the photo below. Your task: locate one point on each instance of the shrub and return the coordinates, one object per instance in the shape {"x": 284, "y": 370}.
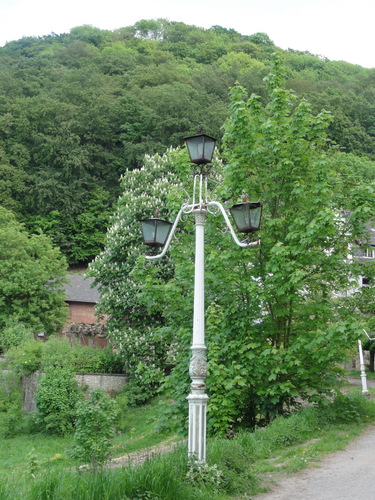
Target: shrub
{"x": 10, "y": 391}
{"x": 232, "y": 459}
{"x": 110, "y": 361}
{"x": 204, "y": 475}
{"x": 11, "y": 422}
{"x": 346, "y": 409}
{"x": 26, "y": 358}
{"x": 14, "y": 334}
{"x": 57, "y": 351}
{"x": 56, "y": 399}
{"x": 94, "y": 428}
{"x": 88, "y": 359}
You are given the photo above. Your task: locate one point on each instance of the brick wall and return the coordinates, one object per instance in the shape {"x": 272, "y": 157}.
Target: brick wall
{"x": 82, "y": 312}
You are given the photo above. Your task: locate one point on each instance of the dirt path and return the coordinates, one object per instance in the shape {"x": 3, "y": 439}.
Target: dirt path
{"x": 343, "y": 475}
{"x": 140, "y": 456}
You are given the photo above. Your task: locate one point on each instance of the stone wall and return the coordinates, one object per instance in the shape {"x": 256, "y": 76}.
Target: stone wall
{"x": 110, "y": 383}
{"x": 30, "y": 386}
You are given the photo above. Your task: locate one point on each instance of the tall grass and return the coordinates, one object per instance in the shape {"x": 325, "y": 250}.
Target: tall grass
{"x": 162, "y": 478}
{"x": 287, "y": 444}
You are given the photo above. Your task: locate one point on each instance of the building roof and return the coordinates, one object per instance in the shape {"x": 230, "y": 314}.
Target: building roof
{"x": 81, "y": 289}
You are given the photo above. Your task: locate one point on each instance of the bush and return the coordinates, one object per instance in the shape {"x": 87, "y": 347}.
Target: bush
{"x": 346, "y": 409}
{"x": 94, "y": 428}
{"x": 57, "y": 351}
{"x": 56, "y": 399}
{"x": 11, "y": 422}
{"x": 204, "y": 475}
{"x": 10, "y": 391}
{"x": 110, "y": 361}
{"x": 32, "y": 355}
{"x": 14, "y": 334}
{"x": 26, "y": 358}
{"x": 232, "y": 459}
{"x": 88, "y": 359}
{"x": 10, "y": 405}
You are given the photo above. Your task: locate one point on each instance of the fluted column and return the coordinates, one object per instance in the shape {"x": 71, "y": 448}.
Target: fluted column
{"x": 198, "y": 365}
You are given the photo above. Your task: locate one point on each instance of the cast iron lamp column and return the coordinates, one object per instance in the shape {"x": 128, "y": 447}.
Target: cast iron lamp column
{"x": 198, "y": 398}
{"x": 201, "y": 149}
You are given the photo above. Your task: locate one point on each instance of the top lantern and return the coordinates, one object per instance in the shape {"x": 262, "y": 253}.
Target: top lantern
{"x": 201, "y": 148}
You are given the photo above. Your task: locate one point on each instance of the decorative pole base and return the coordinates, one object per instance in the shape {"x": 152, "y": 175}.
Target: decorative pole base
{"x": 197, "y": 427}
{"x": 197, "y": 405}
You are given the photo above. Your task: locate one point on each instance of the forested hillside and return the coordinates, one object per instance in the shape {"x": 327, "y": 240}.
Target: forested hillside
{"x": 77, "y": 110}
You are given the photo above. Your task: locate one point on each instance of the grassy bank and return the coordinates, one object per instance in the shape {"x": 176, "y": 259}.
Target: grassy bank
{"x": 37, "y": 467}
{"x": 48, "y": 451}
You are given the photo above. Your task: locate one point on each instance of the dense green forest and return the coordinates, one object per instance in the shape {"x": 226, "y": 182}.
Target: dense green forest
{"x": 78, "y": 110}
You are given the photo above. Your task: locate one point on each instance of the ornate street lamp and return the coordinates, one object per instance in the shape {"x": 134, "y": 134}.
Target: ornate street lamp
{"x": 201, "y": 148}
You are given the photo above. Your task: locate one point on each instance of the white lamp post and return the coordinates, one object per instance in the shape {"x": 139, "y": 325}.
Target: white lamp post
{"x": 201, "y": 148}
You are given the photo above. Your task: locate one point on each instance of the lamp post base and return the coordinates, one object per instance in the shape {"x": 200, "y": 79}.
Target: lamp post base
{"x": 197, "y": 405}
{"x": 197, "y": 426}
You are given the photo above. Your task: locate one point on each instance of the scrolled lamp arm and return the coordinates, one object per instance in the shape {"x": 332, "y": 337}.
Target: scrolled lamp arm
{"x": 189, "y": 209}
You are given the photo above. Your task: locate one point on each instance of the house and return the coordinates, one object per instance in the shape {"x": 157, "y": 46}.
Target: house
{"x": 365, "y": 255}
{"x": 82, "y": 296}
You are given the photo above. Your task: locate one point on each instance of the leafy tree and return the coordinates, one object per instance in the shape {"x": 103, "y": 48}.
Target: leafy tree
{"x": 26, "y": 358}
{"x": 90, "y": 34}
{"x": 31, "y": 274}
{"x": 94, "y": 428}
{"x": 296, "y": 322}
{"x": 149, "y": 29}
{"x": 14, "y": 334}
{"x": 77, "y": 110}
{"x": 12, "y": 185}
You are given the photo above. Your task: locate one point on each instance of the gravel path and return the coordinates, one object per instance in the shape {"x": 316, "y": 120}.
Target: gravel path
{"x": 343, "y": 475}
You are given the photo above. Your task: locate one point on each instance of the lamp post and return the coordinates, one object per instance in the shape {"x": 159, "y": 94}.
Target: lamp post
{"x": 201, "y": 149}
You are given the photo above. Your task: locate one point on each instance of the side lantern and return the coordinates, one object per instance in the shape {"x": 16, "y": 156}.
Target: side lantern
{"x": 247, "y": 216}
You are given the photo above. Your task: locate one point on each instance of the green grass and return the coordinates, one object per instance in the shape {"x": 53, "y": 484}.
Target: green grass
{"x": 137, "y": 432}
{"x": 357, "y": 374}
{"x": 248, "y": 464}
{"x": 14, "y": 452}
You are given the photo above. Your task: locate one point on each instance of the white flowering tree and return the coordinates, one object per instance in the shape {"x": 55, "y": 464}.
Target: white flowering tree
{"x": 130, "y": 287}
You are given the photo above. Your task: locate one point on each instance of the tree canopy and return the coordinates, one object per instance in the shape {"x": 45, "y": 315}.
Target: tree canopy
{"x": 31, "y": 275}
{"x": 78, "y": 110}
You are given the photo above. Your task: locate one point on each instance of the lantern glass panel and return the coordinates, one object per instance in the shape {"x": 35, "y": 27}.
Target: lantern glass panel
{"x": 209, "y": 146}
{"x": 255, "y": 214}
{"x": 162, "y": 233}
